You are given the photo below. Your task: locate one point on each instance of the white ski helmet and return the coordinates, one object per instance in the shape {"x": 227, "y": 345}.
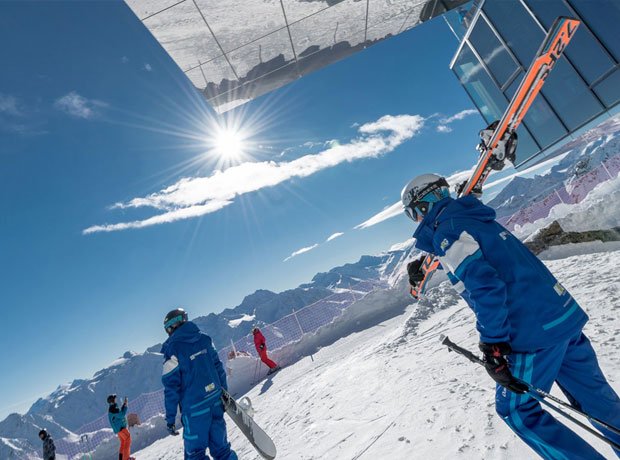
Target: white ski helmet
{"x": 421, "y": 192}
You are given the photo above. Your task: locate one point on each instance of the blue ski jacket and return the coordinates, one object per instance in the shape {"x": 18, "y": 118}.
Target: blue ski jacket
{"x": 514, "y": 296}
{"x": 117, "y": 417}
{"x": 193, "y": 375}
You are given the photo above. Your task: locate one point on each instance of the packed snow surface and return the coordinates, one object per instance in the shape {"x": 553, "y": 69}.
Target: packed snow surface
{"x": 393, "y": 391}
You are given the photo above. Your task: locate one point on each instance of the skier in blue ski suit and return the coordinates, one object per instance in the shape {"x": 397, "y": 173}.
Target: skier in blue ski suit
{"x": 530, "y": 326}
{"x": 193, "y": 378}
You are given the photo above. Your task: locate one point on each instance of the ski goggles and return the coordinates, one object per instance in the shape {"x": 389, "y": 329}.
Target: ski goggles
{"x": 414, "y": 213}
{"x": 417, "y": 210}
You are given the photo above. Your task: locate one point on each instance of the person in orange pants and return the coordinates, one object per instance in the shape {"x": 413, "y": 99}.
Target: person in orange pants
{"x": 118, "y": 421}
{"x": 261, "y": 348}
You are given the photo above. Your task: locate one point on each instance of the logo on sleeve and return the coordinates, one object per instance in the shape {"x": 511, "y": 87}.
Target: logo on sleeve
{"x": 444, "y": 244}
{"x": 559, "y": 289}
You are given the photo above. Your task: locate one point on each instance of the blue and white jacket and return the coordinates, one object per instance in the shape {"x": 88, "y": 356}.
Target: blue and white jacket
{"x": 193, "y": 375}
{"x": 514, "y": 296}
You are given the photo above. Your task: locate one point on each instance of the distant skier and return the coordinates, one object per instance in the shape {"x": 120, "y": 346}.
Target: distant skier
{"x": 49, "y": 449}
{"x": 118, "y": 422}
{"x": 530, "y": 326}
{"x": 261, "y": 348}
{"x": 193, "y": 378}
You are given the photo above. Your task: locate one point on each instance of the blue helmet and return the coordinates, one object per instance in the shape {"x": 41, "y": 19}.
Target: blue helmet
{"x": 421, "y": 193}
{"x": 174, "y": 319}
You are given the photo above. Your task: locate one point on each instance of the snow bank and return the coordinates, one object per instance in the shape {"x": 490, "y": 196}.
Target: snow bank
{"x": 600, "y": 210}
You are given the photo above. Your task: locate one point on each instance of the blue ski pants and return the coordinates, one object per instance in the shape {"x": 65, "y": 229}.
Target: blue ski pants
{"x": 574, "y": 367}
{"x": 206, "y": 429}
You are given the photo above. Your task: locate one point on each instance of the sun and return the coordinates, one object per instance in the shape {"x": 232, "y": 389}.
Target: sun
{"x": 229, "y": 144}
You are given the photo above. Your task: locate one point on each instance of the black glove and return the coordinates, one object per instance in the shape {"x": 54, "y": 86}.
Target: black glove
{"x": 413, "y": 270}
{"x": 497, "y": 366}
{"x": 172, "y": 429}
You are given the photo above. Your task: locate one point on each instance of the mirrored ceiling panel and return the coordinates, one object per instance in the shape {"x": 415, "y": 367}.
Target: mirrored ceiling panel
{"x": 217, "y": 72}
{"x": 343, "y": 23}
{"x": 236, "y": 23}
{"x": 146, "y": 8}
{"x": 236, "y": 50}
{"x": 387, "y": 27}
{"x": 296, "y": 10}
{"x": 262, "y": 56}
{"x": 183, "y": 33}
{"x": 381, "y": 11}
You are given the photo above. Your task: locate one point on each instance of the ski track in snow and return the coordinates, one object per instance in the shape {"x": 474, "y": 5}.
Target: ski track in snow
{"x": 393, "y": 391}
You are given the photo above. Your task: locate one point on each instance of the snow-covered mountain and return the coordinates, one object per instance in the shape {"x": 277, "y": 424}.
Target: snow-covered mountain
{"x": 579, "y": 157}
{"x": 265, "y": 307}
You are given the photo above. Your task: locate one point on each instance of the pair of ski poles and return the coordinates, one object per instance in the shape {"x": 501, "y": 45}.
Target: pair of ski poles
{"x": 543, "y": 397}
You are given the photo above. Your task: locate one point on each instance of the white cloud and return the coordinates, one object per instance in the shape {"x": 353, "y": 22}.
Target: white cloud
{"x": 459, "y": 116}
{"x": 124, "y": 59}
{"x": 9, "y": 105}
{"x": 78, "y": 106}
{"x": 148, "y": 67}
{"x": 196, "y": 196}
{"x": 172, "y": 216}
{"x": 445, "y": 121}
{"x": 334, "y": 236}
{"x": 15, "y": 117}
{"x": 391, "y": 211}
{"x": 301, "y": 251}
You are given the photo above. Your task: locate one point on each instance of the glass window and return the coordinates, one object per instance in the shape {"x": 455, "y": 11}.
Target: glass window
{"x": 564, "y": 90}
{"x": 492, "y": 51}
{"x": 526, "y": 146}
{"x": 540, "y": 119}
{"x": 488, "y": 98}
{"x": 569, "y": 96}
{"x": 518, "y": 29}
{"x": 459, "y": 19}
{"x": 584, "y": 50}
{"x": 486, "y": 95}
{"x": 603, "y": 17}
{"x": 609, "y": 89}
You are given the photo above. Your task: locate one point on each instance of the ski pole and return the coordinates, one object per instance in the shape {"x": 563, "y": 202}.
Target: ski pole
{"x": 540, "y": 396}
{"x": 592, "y": 419}
{"x": 542, "y": 400}
{"x": 541, "y": 393}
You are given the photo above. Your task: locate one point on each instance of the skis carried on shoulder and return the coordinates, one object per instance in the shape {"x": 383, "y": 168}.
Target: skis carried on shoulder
{"x": 242, "y": 417}
{"x": 499, "y": 139}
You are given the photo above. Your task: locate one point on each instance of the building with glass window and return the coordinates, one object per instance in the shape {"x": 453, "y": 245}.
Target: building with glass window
{"x": 498, "y": 41}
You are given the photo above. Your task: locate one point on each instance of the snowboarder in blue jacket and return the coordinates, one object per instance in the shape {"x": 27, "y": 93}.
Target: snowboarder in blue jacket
{"x": 530, "y": 326}
{"x": 193, "y": 378}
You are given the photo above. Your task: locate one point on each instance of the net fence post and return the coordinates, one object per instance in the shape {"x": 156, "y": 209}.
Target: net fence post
{"x": 301, "y": 329}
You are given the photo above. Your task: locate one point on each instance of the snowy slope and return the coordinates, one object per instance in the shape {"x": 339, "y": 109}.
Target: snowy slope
{"x": 392, "y": 391}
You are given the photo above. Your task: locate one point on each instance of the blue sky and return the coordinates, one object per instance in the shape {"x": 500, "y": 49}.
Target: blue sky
{"x": 98, "y": 128}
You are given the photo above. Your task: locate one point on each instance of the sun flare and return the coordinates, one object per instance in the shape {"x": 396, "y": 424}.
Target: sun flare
{"x": 229, "y": 144}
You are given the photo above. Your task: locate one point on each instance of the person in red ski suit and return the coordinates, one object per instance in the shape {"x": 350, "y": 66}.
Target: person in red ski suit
{"x": 261, "y": 349}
